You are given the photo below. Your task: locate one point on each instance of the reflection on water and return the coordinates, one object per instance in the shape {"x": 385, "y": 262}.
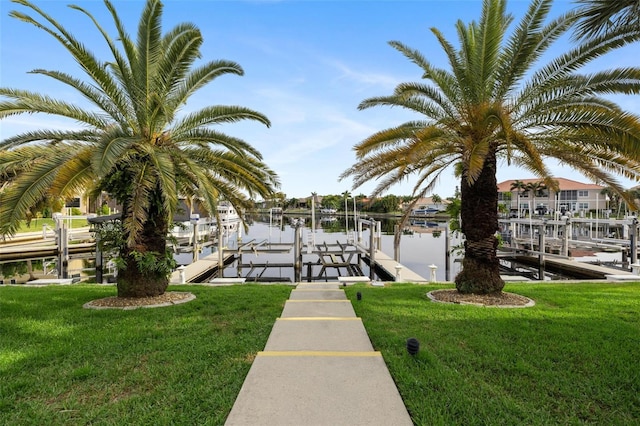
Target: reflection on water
{"x": 421, "y": 244}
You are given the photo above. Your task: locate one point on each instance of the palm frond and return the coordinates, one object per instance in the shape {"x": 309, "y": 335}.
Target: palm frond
{"x": 29, "y": 102}
{"x": 200, "y": 77}
{"x": 218, "y": 115}
{"x": 30, "y": 186}
{"x": 598, "y": 17}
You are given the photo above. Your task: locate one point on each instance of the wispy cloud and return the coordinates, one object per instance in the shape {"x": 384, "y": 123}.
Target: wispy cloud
{"x": 366, "y": 78}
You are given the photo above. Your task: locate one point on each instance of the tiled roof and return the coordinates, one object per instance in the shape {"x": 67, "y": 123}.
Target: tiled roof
{"x": 565, "y": 184}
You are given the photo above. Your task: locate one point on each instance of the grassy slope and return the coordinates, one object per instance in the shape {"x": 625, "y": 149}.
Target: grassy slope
{"x": 571, "y": 359}
{"x": 185, "y": 364}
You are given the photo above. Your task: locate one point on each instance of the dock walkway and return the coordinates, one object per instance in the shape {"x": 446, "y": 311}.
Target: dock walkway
{"x": 389, "y": 264}
{"x": 318, "y": 368}
{"x": 196, "y": 269}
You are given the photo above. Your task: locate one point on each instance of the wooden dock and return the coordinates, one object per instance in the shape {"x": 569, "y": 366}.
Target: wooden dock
{"x": 388, "y": 264}
{"x": 578, "y": 270}
{"x": 198, "y": 269}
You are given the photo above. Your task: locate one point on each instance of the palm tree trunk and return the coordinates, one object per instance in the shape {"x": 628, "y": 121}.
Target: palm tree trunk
{"x": 138, "y": 279}
{"x": 479, "y": 213}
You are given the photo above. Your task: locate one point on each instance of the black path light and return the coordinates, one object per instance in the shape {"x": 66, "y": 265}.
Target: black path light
{"x": 359, "y": 296}
{"x": 413, "y": 346}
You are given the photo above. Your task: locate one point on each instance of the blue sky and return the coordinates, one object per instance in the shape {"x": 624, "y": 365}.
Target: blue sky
{"x": 308, "y": 64}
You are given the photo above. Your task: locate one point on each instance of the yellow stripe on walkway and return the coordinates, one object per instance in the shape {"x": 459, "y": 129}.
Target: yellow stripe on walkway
{"x": 319, "y": 319}
{"x": 319, "y": 353}
{"x": 318, "y": 289}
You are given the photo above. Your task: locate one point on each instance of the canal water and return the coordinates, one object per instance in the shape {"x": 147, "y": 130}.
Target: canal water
{"x": 422, "y": 244}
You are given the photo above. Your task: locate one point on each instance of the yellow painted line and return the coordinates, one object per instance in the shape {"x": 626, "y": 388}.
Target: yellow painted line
{"x": 319, "y": 353}
{"x": 316, "y": 300}
{"x": 317, "y": 289}
{"x": 319, "y": 319}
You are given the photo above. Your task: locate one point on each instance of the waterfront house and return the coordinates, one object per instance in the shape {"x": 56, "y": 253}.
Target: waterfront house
{"x": 572, "y": 198}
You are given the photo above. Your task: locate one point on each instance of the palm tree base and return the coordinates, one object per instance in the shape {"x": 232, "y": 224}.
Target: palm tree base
{"x": 142, "y": 286}
{"x": 479, "y": 277}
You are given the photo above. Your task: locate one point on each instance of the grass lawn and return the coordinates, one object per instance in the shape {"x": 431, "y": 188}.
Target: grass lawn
{"x": 61, "y": 364}
{"x": 574, "y": 358}
{"x": 36, "y": 224}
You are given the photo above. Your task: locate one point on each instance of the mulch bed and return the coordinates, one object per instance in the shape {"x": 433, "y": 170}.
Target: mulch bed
{"x": 169, "y": 298}
{"x": 502, "y": 299}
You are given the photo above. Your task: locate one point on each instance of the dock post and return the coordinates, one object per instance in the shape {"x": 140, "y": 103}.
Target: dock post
{"x": 194, "y": 222}
{"x": 99, "y": 260}
{"x": 633, "y": 243}
{"x": 64, "y": 248}
{"x": 396, "y": 243}
{"x": 297, "y": 253}
{"x": 541, "y": 250}
{"x": 220, "y": 254}
{"x": 447, "y": 256}
{"x": 372, "y": 249}
{"x": 567, "y": 231}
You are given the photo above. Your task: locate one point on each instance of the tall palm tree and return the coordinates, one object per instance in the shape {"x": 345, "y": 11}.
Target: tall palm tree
{"x": 136, "y": 143}
{"x": 495, "y": 104}
{"x": 519, "y": 186}
{"x": 436, "y": 199}
{"x": 597, "y": 17}
{"x": 536, "y": 189}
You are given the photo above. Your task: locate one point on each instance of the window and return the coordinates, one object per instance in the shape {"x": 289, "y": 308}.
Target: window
{"x": 73, "y": 202}
{"x": 583, "y": 193}
{"x": 568, "y": 195}
{"x": 583, "y": 206}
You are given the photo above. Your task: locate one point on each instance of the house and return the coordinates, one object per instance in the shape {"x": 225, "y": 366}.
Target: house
{"x": 575, "y": 197}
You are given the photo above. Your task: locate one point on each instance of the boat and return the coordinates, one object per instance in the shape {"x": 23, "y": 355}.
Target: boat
{"x": 326, "y": 210}
{"x": 227, "y": 213}
{"x": 424, "y": 211}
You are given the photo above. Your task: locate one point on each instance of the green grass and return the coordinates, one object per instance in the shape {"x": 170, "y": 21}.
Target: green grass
{"x": 36, "y": 224}
{"x": 61, "y": 364}
{"x": 574, "y": 358}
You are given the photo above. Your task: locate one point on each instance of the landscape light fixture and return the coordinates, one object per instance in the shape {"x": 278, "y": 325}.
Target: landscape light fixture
{"x": 413, "y": 345}
{"x": 359, "y": 296}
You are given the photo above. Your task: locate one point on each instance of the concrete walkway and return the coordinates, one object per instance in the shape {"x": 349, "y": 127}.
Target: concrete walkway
{"x": 318, "y": 368}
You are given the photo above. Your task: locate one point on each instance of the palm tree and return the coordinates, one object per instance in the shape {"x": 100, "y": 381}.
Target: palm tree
{"x": 519, "y": 186}
{"x": 436, "y": 199}
{"x": 612, "y": 199}
{"x": 135, "y": 143}
{"x": 536, "y": 189}
{"x": 496, "y": 104}
{"x": 598, "y": 17}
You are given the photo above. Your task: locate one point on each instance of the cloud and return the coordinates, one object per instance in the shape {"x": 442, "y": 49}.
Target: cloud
{"x": 364, "y": 78}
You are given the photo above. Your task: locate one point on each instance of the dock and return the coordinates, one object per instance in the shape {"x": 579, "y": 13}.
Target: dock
{"x": 389, "y": 265}
{"x": 194, "y": 272}
{"x": 579, "y": 270}
{"x": 205, "y": 267}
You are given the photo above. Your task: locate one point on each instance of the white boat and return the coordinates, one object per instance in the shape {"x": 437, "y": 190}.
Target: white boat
{"x": 326, "y": 210}
{"x": 227, "y": 213}
{"x": 424, "y": 211}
